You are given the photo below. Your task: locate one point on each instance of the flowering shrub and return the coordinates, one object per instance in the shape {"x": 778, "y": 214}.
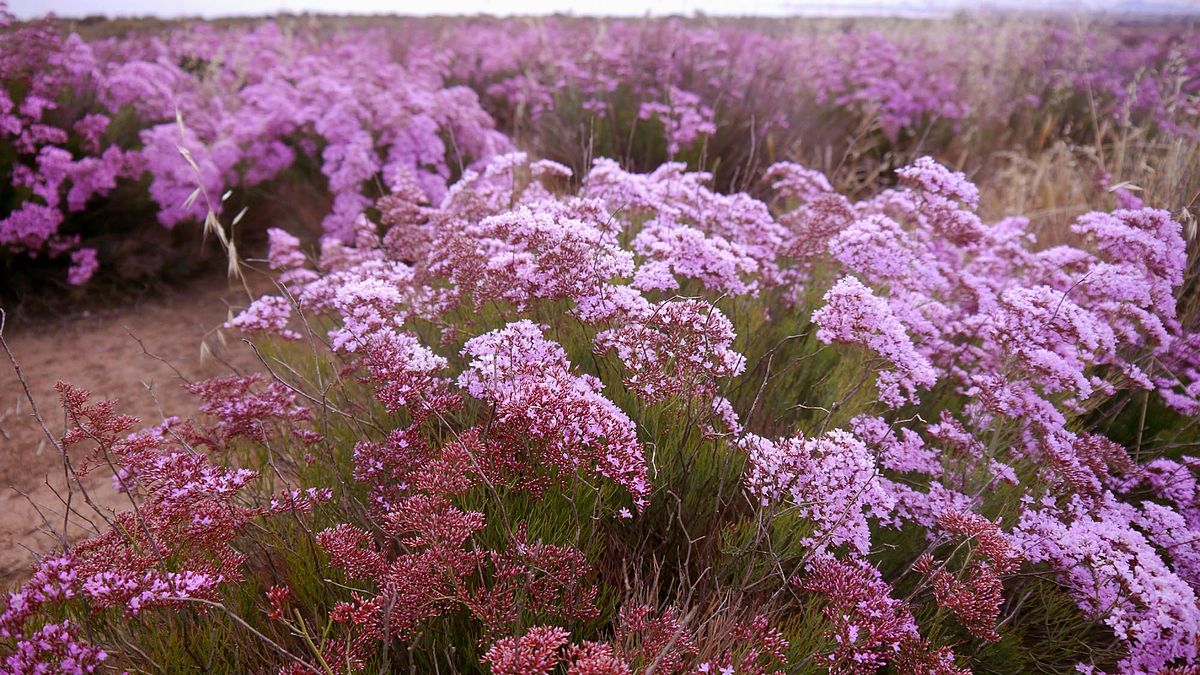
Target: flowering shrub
{"x": 536, "y": 415}
{"x": 264, "y": 100}
{"x": 503, "y": 407}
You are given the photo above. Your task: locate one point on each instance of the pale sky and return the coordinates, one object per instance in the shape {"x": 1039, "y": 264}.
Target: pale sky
{"x": 213, "y": 8}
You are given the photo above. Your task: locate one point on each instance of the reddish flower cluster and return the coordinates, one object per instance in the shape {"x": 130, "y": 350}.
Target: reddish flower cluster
{"x": 541, "y": 649}
{"x": 869, "y": 628}
{"x": 655, "y": 638}
{"x": 534, "y": 653}
{"x": 434, "y": 572}
{"x": 975, "y": 599}
{"x": 761, "y": 651}
{"x": 175, "y": 544}
{"x": 241, "y": 412}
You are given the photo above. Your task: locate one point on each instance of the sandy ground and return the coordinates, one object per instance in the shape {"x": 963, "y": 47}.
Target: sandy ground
{"x": 98, "y": 351}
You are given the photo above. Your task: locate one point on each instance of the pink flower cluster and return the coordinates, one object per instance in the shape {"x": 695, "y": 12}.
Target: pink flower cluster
{"x": 683, "y": 117}
{"x": 55, "y": 646}
{"x": 681, "y": 348}
{"x": 1104, "y": 550}
{"x": 560, "y": 417}
{"x": 855, "y": 315}
{"x": 833, "y": 480}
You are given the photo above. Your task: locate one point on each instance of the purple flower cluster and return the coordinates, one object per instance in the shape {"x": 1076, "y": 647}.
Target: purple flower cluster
{"x": 855, "y": 315}
{"x": 369, "y": 108}
{"x": 833, "y": 480}
{"x": 264, "y": 101}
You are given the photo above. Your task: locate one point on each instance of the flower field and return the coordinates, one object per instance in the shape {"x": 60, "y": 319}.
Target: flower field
{"x": 611, "y": 347}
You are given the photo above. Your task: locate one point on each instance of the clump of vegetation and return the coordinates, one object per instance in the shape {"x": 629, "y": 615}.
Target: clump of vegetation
{"x": 523, "y": 414}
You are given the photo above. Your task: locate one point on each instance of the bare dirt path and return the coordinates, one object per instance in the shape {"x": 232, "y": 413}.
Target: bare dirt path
{"x": 99, "y": 351}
